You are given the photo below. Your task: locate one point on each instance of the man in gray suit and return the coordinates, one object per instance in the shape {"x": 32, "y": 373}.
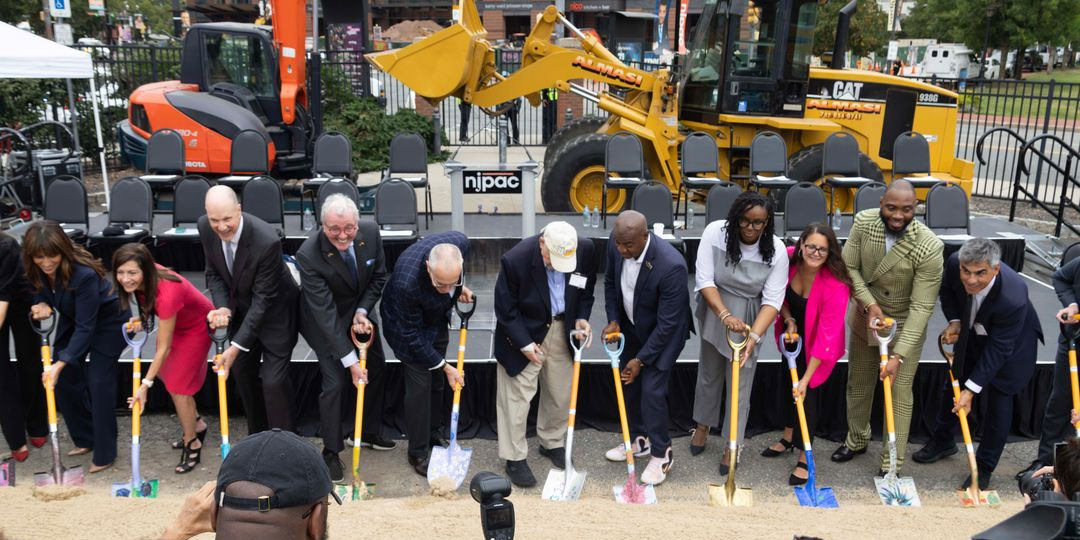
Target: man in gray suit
{"x": 342, "y": 271}
{"x": 255, "y": 298}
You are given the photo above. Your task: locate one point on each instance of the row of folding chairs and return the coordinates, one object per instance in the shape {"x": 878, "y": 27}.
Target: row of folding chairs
{"x": 331, "y": 159}
{"x": 131, "y": 205}
{"x": 841, "y": 164}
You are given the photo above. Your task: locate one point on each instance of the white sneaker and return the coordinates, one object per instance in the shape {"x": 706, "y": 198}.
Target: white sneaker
{"x": 656, "y": 472}
{"x": 640, "y": 446}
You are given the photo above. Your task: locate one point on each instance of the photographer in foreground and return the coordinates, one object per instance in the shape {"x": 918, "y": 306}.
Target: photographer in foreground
{"x": 1060, "y": 482}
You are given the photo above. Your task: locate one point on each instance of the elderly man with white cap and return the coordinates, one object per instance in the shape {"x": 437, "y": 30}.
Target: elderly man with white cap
{"x": 543, "y": 292}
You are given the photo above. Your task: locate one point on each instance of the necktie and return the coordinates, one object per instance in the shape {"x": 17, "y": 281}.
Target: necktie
{"x": 229, "y": 255}
{"x": 350, "y": 263}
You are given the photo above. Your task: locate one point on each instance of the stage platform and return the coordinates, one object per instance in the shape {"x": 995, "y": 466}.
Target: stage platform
{"x": 492, "y": 235}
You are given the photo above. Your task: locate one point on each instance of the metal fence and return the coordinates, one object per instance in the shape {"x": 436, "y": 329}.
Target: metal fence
{"x": 1029, "y": 108}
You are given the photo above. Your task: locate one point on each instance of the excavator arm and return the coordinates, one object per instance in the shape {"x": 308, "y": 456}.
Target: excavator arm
{"x": 289, "y": 33}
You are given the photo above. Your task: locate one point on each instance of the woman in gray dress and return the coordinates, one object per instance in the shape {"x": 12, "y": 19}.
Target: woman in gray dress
{"x": 740, "y": 279}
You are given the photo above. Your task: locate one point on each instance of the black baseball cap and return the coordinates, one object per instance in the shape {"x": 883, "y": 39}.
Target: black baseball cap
{"x": 281, "y": 461}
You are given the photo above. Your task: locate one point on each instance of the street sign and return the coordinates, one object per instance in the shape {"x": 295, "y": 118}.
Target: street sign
{"x": 97, "y": 5}
{"x": 60, "y": 8}
{"x": 62, "y": 34}
{"x": 893, "y": 49}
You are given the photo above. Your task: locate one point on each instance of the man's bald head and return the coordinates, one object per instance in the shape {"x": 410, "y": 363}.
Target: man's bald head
{"x": 631, "y": 234}
{"x": 901, "y": 186}
{"x": 223, "y": 211}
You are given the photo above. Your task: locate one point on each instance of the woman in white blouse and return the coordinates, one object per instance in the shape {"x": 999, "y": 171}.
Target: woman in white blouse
{"x": 740, "y": 279}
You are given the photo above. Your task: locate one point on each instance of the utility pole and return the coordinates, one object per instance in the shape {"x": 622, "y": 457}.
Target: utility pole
{"x": 48, "y": 19}
{"x": 178, "y": 25}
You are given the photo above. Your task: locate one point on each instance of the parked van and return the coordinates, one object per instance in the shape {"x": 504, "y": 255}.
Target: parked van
{"x": 950, "y": 61}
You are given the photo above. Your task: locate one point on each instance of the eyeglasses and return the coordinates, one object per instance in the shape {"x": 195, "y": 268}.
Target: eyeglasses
{"x": 815, "y": 250}
{"x": 755, "y": 224}
{"x": 437, "y": 285}
{"x": 336, "y": 231}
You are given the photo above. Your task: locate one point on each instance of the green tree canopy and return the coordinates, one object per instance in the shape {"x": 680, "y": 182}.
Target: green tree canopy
{"x": 869, "y": 32}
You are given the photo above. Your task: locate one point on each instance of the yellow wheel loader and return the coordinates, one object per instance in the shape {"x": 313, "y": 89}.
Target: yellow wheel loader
{"x": 748, "y": 70}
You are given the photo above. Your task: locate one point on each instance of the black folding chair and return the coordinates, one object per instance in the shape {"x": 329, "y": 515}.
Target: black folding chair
{"x": 131, "y": 203}
{"x": 164, "y": 161}
{"x": 395, "y": 205}
{"x": 768, "y": 155}
{"x": 947, "y": 208}
{"x": 911, "y": 155}
{"x": 719, "y": 201}
{"x": 248, "y": 158}
{"x": 408, "y": 162}
{"x": 624, "y": 166}
{"x": 65, "y": 203}
{"x": 840, "y": 165}
{"x": 804, "y": 204}
{"x": 700, "y": 166}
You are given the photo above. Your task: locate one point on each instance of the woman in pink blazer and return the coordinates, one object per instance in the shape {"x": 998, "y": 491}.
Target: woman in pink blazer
{"x": 815, "y": 304}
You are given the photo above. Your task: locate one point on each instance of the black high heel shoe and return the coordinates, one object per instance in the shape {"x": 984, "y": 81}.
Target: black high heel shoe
{"x": 788, "y": 447}
{"x": 795, "y": 480}
{"x": 179, "y": 442}
{"x": 694, "y": 448}
{"x": 189, "y": 458}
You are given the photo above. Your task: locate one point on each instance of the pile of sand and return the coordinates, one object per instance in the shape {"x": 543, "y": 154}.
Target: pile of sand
{"x": 97, "y": 515}
{"x": 410, "y": 30}
{"x": 444, "y": 487}
{"x": 57, "y": 493}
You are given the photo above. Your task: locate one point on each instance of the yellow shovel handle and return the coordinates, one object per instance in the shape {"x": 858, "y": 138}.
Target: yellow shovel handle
{"x": 50, "y": 396}
{"x": 799, "y": 407}
{"x": 1075, "y": 385}
{"x": 573, "y": 394}
{"x": 223, "y": 402}
{"x": 622, "y": 417}
{"x": 358, "y": 424}
{"x": 136, "y": 382}
{"x": 460, "y": 364}
{"x": 887, "y": 385}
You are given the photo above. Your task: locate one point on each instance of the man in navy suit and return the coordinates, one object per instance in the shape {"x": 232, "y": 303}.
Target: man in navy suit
{"x": 995, "y": 328}
{"x": 645, "y": 287}
{"x": 415, "y": 309}
{"x": 544, "y": 290}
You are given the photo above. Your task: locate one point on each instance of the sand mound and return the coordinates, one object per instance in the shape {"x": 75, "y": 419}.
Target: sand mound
{"x": 444, "y": 487}
{"x": 57, "y": 493}
{"x": 410, "y": 30}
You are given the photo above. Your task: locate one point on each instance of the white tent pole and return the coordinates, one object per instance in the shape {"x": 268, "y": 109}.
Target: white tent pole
{"x": 101, "y": 144}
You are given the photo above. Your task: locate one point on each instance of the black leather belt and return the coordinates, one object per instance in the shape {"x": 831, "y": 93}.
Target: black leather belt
{"x": 559, "y": 317}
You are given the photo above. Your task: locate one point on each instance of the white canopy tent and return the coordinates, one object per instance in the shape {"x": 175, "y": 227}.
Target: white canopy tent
{"x": 26, "y": 56}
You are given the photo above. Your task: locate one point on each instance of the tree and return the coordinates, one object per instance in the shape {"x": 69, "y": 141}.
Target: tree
{"x": 868, "y": 28}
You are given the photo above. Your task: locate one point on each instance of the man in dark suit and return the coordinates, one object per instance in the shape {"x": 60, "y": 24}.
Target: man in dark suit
{"x": 255, "y": 297}
{"x": 645, "y": 289}
{"x": 995, "y": 328}
{"x": 544, "y": 290}
{"x": 342, "y": 273}
{"x": 415, "y": 309}
{"x": 1056, "y": 424}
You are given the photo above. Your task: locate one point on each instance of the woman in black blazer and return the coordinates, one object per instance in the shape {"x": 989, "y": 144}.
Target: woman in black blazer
{"x": 65, "y": 277}
{"x": 22, "y": 399}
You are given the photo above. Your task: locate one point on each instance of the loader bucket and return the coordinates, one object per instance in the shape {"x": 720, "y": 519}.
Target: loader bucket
{"x": 439, "y": 64}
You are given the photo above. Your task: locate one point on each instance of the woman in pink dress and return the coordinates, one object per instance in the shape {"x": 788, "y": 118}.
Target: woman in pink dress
{"x": 182, "y": 340}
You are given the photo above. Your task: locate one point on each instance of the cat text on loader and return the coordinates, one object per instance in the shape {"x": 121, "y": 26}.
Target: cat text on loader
{"x": 748, "y": 70}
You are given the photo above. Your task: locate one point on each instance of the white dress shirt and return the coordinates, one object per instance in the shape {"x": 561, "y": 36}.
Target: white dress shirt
{"x": 630, "y": 270}
{"x": 976, "y": 303}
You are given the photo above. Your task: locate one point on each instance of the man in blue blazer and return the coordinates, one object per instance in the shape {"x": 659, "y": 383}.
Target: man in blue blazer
{"x": 415, "y": 309}
{"x": 645, "y": 287}
{"x": 543, "y": 292}
{"x": 995, "y": 328}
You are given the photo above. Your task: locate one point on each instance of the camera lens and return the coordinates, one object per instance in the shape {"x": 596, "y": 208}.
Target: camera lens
{"x": 1030, "y": 484}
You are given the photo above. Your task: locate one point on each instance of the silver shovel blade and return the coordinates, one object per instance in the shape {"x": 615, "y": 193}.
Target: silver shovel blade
{"x": 896, "y": 491}
{"x": 69, "y": 477}
{"x": 447, "y": 462}
{"x": 563, "y": 485}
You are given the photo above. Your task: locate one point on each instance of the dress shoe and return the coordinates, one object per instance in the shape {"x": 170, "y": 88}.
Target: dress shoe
{"x": 556, "y": 455}
{"x": 21, "y": 455}
{"x": 520, "y": 474}
{"x": 435, "y": 441}
{"x": 77, "y": 451}
{"x": 984, "y": 481}
{"x": 844, "y": 453}
{"x": 882, "y": 472}
{"x": 786, "y": 444}
{"x": 725, "y": 462}
{"x": 640, "y": 446}
{"x": 98, "y": 468}
{"x": 656, "y": 471}
{"x": 333, "y": 463}
{"x": 697, "y": 449}
{"x": 376, "y": 442}
{"x": 37, "y": 442}
{"x": 794, "y": 480}
{"x": 933, "y": 452}
{"x": 419, "y": 465}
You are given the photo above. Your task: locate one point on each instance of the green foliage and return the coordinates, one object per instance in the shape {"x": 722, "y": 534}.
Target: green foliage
{"x": 371, "y": 129}
{"x": 869, "y": 32}
{"x": 24, "y": 102}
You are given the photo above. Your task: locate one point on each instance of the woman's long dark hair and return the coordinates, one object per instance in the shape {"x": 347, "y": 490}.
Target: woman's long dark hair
{"x": 48, "y": 238}
{"x": 746, "y": 201}
{"x": 147, "y": 293}
{"x": 835, "y": 260}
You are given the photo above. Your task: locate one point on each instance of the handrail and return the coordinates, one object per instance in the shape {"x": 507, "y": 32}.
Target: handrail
{"x": 979, "y": 143}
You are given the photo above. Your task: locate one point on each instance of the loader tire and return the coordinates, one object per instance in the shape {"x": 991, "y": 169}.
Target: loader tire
{"x": 576, "y": 177}
{"x": 573, "y": 128}
{"x": 805, "y": 166}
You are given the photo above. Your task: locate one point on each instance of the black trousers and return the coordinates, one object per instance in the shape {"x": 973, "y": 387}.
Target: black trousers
{"x": 22, "y": 399}
{"x": 996, "y": 418}
{"x": 512, "y": 116}
{"x": 810, "y": 406}
{"x": 1055, "y": 425}
{"x": 424, "y": 397}
{"x": 337, "y": 400}
{"x": 86, "y": 396}
{"x": 550, "y": 113}
{"x": 265, "y": 387}
{"x": 465, "y": 110}
{"x": 646, "y": 401}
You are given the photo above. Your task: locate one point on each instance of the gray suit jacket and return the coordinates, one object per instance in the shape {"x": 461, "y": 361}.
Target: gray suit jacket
{"x": 331, "y": 296}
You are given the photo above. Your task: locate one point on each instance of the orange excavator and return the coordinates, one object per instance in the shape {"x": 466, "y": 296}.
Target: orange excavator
{"x": 233, "y": 77}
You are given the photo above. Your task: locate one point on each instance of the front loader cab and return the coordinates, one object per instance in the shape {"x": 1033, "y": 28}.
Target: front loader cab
{"x": 749, "y": 57}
